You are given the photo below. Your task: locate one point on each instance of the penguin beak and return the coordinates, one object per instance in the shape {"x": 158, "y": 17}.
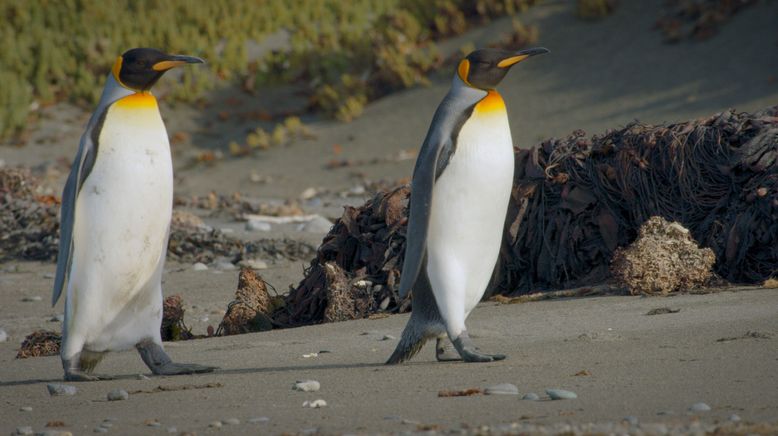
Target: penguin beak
{"x": 520, "y": 56}
{"x": 176, "y": 61}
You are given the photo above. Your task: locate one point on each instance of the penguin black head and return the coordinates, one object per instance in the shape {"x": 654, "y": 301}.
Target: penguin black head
{"x": 140, "y": 68}
{"x": 486, "y": 67}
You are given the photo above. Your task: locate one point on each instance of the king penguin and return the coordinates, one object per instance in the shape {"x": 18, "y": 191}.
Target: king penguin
{"x": 460, "y": 189}
{"x": 114, "y": 224}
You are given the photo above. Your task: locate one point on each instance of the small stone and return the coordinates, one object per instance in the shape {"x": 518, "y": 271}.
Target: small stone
{"x": 734, "y": 418}
{"x": 3, "y": 335}
{"x": 317, "y": 224}
{"x": 215, "y": 424}
{"x": 100, "y": 430}
{"x": 48, "y": 276}
{"x": 231, "y": 421}
{"x": 315, "y": 404}
{"x": 502, "y": 389}
{"x": 152, "y": 423}
{"x": 259, "y": 420}
{"x": 308, "y": 193}
{"x": 224, "y": 265}
{"x": 632, "y": 420}
{"x": 25, "y": 409}
{"x": 199, "y": 266}
{"x": 118, "y": 395}
{"x": 699, "y": 407}
{"x": 58, "y": 317}
{"x": 258, "y": 226}
{"x": 56, "y": 389}
{"x": 32, "y": 299}
{"x": 172, "y": 430}
{"x": 531, "y": 396}
{"x": 253, "y": 263}
{"x": 363, "y": 284}
{"x": 357, "y": 190}
{"x": 309, "y": 355}
{"x": 106, "y": 424}
{"x": 306, "y": 386}
{"x": 385, "y": 302}
{"x": 387, "y": 338}
{"x": 142, "y": 377}
{"x": 55, "y": 433}
{"x": 561, "y": 394}
{"x": 24, "y": 430}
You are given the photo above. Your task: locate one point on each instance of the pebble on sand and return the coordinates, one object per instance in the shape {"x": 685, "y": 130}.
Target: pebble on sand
{"x": 231, "y": 421}
{"x": 32, "y": 299}
{"x": 502, "y": 389}
{"x": 25, "y": 409}
{"x": 306, "y": 386}
{"x": 561, "y": 394}
{"x": 258, "y": 226}
{"x": 224, "y": 265}
{"x": 734, "y": 418}
{"x": 199, "y": 266}
{"x": 24, "y": 430}
{"x": 315, "y": 404}
{"x": 215, "y": 424}
{"x": 387, "y": 338}
{"x": 259, "y": 420}
{"x": 253, "y": 263}
{"x": 172, "y": 430}
{"x": 531, "y": 396}
{"x": 632, "y": 420}
{"x": 118, "y": 395}
{"x": 3, "y": 335}
{"x": 60, "y": 389}
{"x": 100, "y": 430}
{"x": 318, "y": 224}
{"x": 699, "y": 407}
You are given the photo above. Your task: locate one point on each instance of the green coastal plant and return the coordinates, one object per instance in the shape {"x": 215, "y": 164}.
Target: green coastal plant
{"x": 57, "y": 50}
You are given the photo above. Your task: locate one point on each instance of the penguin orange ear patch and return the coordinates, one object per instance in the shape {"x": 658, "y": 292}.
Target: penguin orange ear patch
{"x": 463, "y": 70}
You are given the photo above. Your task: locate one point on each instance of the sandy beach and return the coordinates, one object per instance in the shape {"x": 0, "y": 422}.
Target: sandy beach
{"x": 719, "y": 348}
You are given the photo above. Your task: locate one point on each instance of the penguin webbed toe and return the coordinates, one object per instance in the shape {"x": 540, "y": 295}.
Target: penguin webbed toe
{"x": 444, "y": 353}
{"x": 471, "y": 353}
{"x": 158, "y": 361}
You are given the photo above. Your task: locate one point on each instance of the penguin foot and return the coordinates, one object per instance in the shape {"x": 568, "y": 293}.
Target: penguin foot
{"x": 471, "y": 353}
{"x": 444, "y": 353}
{"x": 80, "y": 376}
{"x": 161, "y": 364}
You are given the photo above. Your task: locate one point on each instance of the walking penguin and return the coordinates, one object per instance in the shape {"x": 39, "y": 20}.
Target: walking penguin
{"x": 459, "y": 198}
{"x": 114, "y": 224}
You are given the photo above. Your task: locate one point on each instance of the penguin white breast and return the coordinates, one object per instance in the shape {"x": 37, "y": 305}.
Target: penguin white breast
{"x": 122, "y": 216}
{"x": 469, "y": 203}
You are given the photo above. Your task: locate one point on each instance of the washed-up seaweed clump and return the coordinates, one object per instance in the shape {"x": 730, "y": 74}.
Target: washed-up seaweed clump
{"x": 250, "y": 310}
{"x": 28, "y": 220}
{"x": 173, "y": 327}
{"x": 697, "y": 19}
{"x": 574, "y": 202}
{"x": 40, "y": 343}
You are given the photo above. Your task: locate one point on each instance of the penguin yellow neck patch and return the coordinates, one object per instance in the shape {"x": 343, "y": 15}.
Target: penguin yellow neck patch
{"x": 492, "y": 103}
{"x": 139, "y": 100}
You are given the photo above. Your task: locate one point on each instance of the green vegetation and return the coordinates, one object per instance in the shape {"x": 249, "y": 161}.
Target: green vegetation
{"x": 347, "y": 52}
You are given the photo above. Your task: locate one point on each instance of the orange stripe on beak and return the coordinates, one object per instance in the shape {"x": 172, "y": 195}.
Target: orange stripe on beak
{"x": 507, "y": 62}
{"x": 166, "y": 65}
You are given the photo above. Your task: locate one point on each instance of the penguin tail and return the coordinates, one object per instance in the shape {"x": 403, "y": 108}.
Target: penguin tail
{"x": 413, "y": 339}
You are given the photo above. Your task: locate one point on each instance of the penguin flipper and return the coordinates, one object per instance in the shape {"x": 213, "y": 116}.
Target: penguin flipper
{"x": 82, "y": 166}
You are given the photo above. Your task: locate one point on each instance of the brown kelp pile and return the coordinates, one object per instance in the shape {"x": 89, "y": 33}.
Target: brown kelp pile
{"x": 173, "y": 327}
{"x": 40, "y": 343}
{"x": 575, "y": 200}
{"x": 28, "y": 220}
{"x": 697, "y": 19}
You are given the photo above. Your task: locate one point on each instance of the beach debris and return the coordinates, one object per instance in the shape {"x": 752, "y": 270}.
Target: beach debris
{"x": 663, "y": 259}
{"x": 253, "y": 225}
{"x": 697, "y": 19}
{"x": 32, "y": 299}
{"x": 57, "y": 389}
{"x": 631, "y": 420}
{"x": 460, "y": 393}
{"x": 40, "y": 343}
{"x": 28, "y": 218}
{"x": 531, "y": 396}
{"x": 117, "y": 395}
{"x": 315, "y": 404}
{"x": 173, "y": 327}
{"x": 561, "y": 394}
{"x": 259, "y": 420}
{"x": 502, "y": 389}
{"x": 25, "y": 409}
{"x": 231, "y": 421}
{"x": 662, "y": 311}
{"x": 199, "y": 266}
{"x": 3, "y": 335}
{"x": 306, "y": 386}
{"x": 253, "y": 263}
{"x": 24, "y": 430}
{"x": 699, "y": 407}
{"x": 582, "y": 373}
{"x": 575, "y": 201}
{"x": 748, "y": 335}
{"x": 215, "y": 424}
{"x": 251, "y": 308}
